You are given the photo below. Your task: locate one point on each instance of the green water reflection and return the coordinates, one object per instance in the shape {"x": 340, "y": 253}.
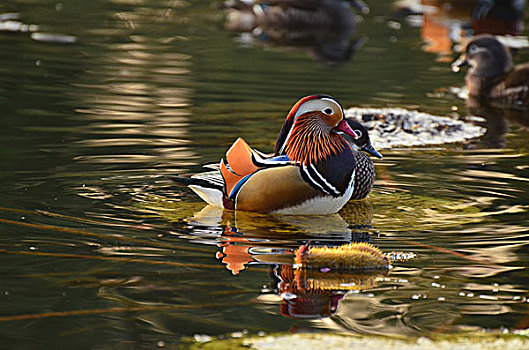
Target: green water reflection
{"x": 98, "y": 250}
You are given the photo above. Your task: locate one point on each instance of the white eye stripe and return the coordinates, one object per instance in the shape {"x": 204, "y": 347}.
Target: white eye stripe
{"x": 334, "y": 102}
{"x": 472, "y": 49}
{"x": 358, "y": 132}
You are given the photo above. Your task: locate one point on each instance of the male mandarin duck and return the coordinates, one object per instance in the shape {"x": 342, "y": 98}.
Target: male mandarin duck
{"x": 492, "y": 76}
{"x": 312, "y": 171}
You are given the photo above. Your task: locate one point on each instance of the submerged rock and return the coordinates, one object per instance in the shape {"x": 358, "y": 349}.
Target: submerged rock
{"x": 393, "y": 127}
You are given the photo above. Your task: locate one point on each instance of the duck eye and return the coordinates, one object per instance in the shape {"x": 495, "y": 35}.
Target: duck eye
{"x": 472, "y": 49}
{"x": 358, "y": 132}
{"x": 328, "y": 111}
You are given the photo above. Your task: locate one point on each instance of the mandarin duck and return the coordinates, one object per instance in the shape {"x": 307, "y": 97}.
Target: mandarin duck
{"x": 492, "y": 76}
{"x": 312, "y": 171}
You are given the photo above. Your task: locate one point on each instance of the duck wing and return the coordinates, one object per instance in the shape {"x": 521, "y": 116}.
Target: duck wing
{"x": 515, "y": 87}
{"x": 332, "y": 176}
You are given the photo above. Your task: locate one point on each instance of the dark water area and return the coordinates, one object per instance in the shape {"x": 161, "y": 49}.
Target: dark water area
{"x": 99, "y": 250}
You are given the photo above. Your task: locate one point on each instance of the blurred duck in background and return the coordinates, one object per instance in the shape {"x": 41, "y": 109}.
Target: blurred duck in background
{"x": 492, "y": 77}
{"x": 497, "y": 89}
{"x": 445, "y": 23}
{"x": 498, "y": 17}
{"x": 327, "y": 27}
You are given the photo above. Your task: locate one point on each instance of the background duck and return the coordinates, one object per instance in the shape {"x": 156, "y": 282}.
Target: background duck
{"x": 312, "y": 171}
{"x": 492, "y": 76}
{"x": 444, "y": 23}
{"x": 327, "y": 27}
{"x": 295, "y": 13}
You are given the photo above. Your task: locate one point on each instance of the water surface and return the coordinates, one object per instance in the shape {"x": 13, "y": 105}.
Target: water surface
{"x": 99, "y": 250}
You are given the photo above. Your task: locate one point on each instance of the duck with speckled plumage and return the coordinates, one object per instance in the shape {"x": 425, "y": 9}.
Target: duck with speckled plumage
{"x": 365, "y": 168}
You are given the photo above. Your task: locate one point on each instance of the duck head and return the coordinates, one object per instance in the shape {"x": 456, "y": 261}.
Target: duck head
{"x": 313, "y": 130}
{"x": 486, "y": 56}
{"x": 363, "y": 142}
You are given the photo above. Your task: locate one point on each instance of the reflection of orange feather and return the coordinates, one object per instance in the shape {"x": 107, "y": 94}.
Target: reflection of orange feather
{"x": 239, "y": 158}
{"x": 235, "y": 257}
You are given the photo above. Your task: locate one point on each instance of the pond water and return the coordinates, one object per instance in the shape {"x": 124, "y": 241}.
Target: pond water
{"x": 99, "y": 250}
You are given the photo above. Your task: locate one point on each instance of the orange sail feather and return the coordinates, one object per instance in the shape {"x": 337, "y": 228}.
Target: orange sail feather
{"x": 239, "y": 158}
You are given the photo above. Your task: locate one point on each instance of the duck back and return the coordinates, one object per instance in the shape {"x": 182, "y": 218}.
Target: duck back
{"x": 514, "y": 88}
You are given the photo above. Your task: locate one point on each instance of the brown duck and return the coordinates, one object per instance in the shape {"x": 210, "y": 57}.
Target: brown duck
{"x": 492, "y": 77}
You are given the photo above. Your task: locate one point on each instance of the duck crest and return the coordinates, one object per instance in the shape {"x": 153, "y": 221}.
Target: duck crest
{"x": 311, "y": 141}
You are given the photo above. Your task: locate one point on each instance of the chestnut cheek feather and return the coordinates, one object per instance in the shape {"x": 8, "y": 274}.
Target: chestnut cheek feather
{"x": 309, "y": 143}
{"x": 331, "y": 120}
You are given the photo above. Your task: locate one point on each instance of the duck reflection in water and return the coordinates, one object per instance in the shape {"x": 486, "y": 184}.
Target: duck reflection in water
{"x": 445, "y": 22}
{"x": 495, "y": 119}
{"x": 251, "y": 238}
{"x": 311, "y": 293}
{"x": 327, "y": 27}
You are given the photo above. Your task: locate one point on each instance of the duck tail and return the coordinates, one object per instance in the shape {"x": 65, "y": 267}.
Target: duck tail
{"x": 208, "y": 186}
{"x": 187, "y": 181}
